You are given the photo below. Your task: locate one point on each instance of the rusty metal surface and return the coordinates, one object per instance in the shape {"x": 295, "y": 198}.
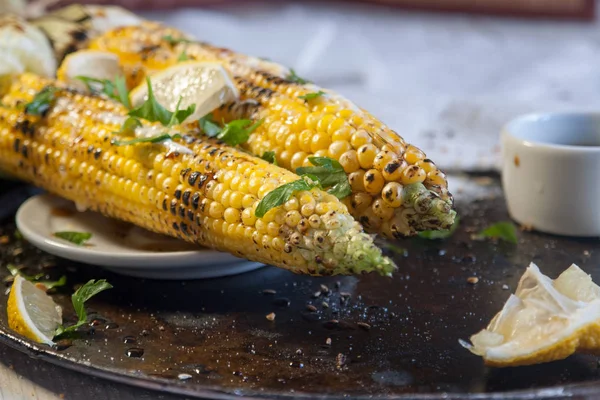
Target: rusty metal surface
{"x": 394, "y": 338}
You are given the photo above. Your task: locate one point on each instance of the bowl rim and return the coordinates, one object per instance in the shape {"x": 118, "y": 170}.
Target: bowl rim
{"x": 508, "y": 130}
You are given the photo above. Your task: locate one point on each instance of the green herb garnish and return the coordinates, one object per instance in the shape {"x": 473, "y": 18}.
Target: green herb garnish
{"x": 292, "y": 77}
{"x": 129, "y": 126}
{"x": 270, "y": 157}
{"x": 282, "y": 194}
{"x": 79, "y": 298}
{"x": 506, "y": 231}
{"x": 330, "y": 174}
{"x": 232, "y": 133}
{"x": 153, "y": 139}
{"x": 41, "y": 101}
{"x": 175, "y": 41}
{"x": 152, "y": 111}
{"x": 116, "y": 90}
{"x": 441, "y": 234}
{"x": 78, "y": 238}
{"x": 14, "y": 271}
{"x": 311, "y": 96}
{"x": 182, "y": 57}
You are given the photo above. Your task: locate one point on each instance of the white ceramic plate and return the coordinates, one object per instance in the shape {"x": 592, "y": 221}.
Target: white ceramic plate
{"x": 118, "y": 246}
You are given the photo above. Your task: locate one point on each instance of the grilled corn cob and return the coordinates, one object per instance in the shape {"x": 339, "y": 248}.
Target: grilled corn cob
{"x": 194, "y": 189}
{"x": 396, "y": 190}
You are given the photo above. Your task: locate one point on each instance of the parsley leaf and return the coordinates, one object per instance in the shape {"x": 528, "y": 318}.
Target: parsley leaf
{"x": 330, "y": 174}
{"x": 270, "y": 157}
{"x": 116, "y": 90}
{"x": 78, "y": 238}
{"x": 238, "y": 131}
{"x": 152, "y": 111}
{"x": 282, "y": 194}
{"x": 233, "y": 133}
{"x": 292, "y": 77}
{"x": 129, "y": 126}
{"x": 174, "y": 41}
{"x": 14, "y": 271}
{"x": 182, "y": 57}
{"x": 153, "y": 139}
{"x": 311, "y": 96}
{"x": 79, "y": 298}
{"x": 502, "y": 230}
{"x": 122, "y": 92}
{"x": 209, "y": 126}
{"x": 442, "y": 234}
{"x": 42, "y": 101}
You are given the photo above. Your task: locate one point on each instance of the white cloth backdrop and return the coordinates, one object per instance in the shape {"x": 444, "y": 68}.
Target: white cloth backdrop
{"x": 446, "y": 82}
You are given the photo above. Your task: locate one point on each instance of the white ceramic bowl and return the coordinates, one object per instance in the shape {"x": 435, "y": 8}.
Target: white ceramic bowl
{"x": 551, "y": 172}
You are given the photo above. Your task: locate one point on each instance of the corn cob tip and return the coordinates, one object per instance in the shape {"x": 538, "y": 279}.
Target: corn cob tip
{"x": 430, "y": 210}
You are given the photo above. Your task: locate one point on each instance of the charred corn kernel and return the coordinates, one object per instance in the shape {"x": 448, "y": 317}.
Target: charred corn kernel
{"x": 437, "y": 178}
{"x": 382, "y": 159}
{"x": 314, "y": 221}
{"x": 413, "y": 155}
{"x": 392, "y": 194}
{"x": 413, "y": 174}
{"x": 336, "y": 149}
{"x": 320, "y": 141}
{"x": 349, "y": 161}
{"x": 356, "y": 180}
{"x": 366, "y": 155}
{"x": 373, "y": 181}
{"x": 187, "y": 195}
{"x": 292, "y": 218}
{"x": 392, "y": 172}
{"x": 382, "y": 209}
{"x": 295, "y": 129}
{"x": 360, "y": 138}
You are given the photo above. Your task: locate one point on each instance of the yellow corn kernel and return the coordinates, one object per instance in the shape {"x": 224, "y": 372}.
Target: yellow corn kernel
{"x": 320, "y": 141}
{"x": 349, "y": 161}
{"x": 273, "y": 229}
{"x": 312, "y": 119}
{"x": 248, "y": 217}
{"x": 232, "y": 215}
{"x": 292, "y": 218}
{"x": 366, "y": 155}
{"x": 426, "y": 165}
{"x": 336, "y": 149}
{"x": 291, "y": 143}
{"x": 382, "y": 210}
{"x": 298, "y": 160}
{"x": 360, "y": 138}
{"x": 236, "y": 200}
{"x": 412, "y": 174}
{"x": 324, "y": 122}
{"x": 335, "y": 126}
{"x": 437, "y": 178}
{"x": 393, "y": 170}
{"x": 361, "y": 201}
{"x": 304, "y": 141}
{"x": 413, "y": 154}
{"x": 373, "y": 181}
{"x": 344, "y": 133}
{"x": 392, "y": 194}
{"x": 356, "y": 180}
{"x": 320, "y": 153}
{"x": 216, "y": 210}
{"x": 382, "y": 159}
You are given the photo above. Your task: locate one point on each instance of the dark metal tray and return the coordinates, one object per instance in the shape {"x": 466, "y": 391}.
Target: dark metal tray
{"x": 389, "y": 338}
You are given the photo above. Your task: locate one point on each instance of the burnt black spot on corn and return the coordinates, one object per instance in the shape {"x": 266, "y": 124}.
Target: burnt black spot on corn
{"x": 141, "y": 185}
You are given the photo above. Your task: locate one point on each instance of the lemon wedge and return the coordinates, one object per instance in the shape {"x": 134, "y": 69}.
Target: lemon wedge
{"x": 24, "y": 48}
{"x": 205, "y": 84}
{"x": 31, "y": 312}
{"x": 545, "y": 320}
{"x": 89, "y": 63}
